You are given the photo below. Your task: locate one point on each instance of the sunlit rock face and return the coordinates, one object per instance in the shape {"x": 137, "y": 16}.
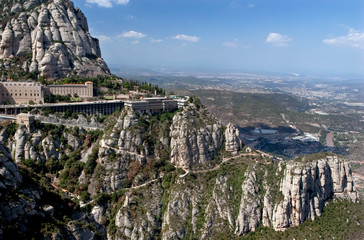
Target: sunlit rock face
{"x": 50, "y": 38}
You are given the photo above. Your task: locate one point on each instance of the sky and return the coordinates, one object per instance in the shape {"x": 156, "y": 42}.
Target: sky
{"x": 283, "y": 36}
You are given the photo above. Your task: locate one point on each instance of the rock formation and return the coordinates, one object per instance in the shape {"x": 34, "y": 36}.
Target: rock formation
{"x": 196, "y": 137}
{"x": 48, "y": 37}
{"x": 137, "y": 194}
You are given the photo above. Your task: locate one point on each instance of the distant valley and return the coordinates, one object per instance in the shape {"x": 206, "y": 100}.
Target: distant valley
{"x": 293, "y": 107}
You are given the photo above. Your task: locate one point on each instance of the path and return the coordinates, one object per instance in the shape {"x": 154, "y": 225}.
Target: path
{"x": 12, "y": 117}
{"x": 147, "y": 183}
{"x": 104, "y": 145}
{"x": 289, "y": 124}
{"x": 216, "y": 167}
{"x": 329, "y": 139}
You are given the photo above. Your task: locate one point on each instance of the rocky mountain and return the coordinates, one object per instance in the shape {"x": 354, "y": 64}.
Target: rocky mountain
{"x": 127, "y": 182}
{"x": 50, "y": 38}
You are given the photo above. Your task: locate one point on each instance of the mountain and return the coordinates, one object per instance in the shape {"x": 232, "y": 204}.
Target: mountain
{"x": 127, "y": 182}
{"x": 50, "y": 38}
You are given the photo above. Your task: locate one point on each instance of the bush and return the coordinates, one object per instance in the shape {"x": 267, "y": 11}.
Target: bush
{"x": 84, "y": 196}
{"x": 133, "y": 169}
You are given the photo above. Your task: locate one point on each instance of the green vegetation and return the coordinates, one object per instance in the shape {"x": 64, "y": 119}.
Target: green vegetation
{"x": 57, "y": 98}
{"x": 340, "y": 220}
{"x": 144, "y": 86}
{"x": 313, "y": 157}
{"x": 40, "y": 227}
{"x": 10, "y": 127}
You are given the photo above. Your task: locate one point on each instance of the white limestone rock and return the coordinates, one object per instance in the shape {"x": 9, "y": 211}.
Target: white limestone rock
{"x": 55, "y": 39}
{"x": 196, "y": 136}
{"x": 233, "y": 141}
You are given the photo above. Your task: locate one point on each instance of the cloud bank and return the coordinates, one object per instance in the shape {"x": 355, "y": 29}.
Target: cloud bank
{"x": 132, "y": 34}
{"x": 353, "y": 39}
{"x": 186, "y": 38}
{"x": 108, "y": 3}
{"x": 278, "y": 40}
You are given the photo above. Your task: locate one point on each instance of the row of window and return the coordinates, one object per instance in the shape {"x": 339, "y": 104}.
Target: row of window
{"x": 21, "y": 84}
{"x": 67, "y": 92}
{"x": 7, "y": 94}
{"x": 22, "y": 90}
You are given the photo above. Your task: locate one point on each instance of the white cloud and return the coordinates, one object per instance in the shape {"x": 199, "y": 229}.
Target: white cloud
{"x": 278, "y": 40}
{"x": 132, "y": 34}
{"x": 232, "y": 44}
{"x": 136, "y": 41}
{"x": 187, "y": 38}
{"x": 104, "y": 38}
{"x": 353, "y": 39}
{"x": 122, "y": 2}
{"x": 108, "y": 3}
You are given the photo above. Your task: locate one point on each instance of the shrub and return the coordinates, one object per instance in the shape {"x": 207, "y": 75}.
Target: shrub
{"x": 133, "y": 169}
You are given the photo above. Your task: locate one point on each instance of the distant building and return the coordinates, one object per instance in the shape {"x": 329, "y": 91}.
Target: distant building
{"x": 21, "y": 92}
{"x": 153, "y": 105}
{"x": 136, "y": 105}
{"x": 169, "y": 105}
{"x": 12, "y": 92}
{"x": 81, "y": 90}
{"x": 25, "y": 119}
{"x": 182, "y": 101}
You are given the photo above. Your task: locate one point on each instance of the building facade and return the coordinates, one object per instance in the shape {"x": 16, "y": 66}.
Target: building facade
{"x": 152, "y": 105}
{"x": 27, "y": 92}
{"x": 25, "y": 119}
{"x": 21, "y": 92}
{"x": 80, "y": 90}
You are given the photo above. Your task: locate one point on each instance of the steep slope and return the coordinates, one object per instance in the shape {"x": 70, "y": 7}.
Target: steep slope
{"x": 48, "y": 37}
{"x": 127, "y": 182}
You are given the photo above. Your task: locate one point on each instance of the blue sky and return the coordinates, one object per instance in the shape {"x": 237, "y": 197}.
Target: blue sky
{"x": 303, "y": 36}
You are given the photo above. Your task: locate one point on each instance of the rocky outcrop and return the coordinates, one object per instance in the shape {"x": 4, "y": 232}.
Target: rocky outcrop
{"x": 307, "y": 186}
{"x": 233, "y": 141}
{"x": 196, "y": 137}
{"x": 249, "y": 212}
{"x": 19, "y": 144}
{"x": 51, "y": 38}
{"x": 138, "y": 196}
{"x": 81, "y": 121}
{"x": 124, "y": 135}
{"x": 139, "y": 222}
{"x": 9, "y": 174}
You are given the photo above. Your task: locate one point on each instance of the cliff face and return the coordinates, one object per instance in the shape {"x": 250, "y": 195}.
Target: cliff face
{"x": 128, "y": 185}
{"x": 195, "y": 138}
{"x": 50, "y": 38}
